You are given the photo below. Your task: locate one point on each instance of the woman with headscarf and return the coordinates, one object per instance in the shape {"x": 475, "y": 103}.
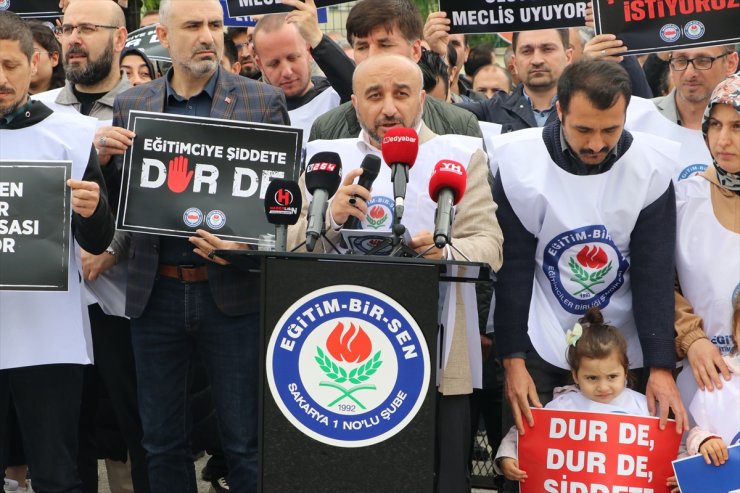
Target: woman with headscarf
{"x": 708, "y": 248}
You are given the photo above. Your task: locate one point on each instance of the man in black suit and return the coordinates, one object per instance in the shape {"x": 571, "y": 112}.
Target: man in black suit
{"x": 179, "y": 300}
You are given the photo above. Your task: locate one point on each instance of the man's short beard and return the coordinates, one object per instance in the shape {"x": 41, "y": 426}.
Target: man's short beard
{"x": 251, "y": 73}
{"x": 199, "y": 68}
{"x": 10, "y": 109}
{"x": 94, "y": 72}
{"x": 374, "y": 137}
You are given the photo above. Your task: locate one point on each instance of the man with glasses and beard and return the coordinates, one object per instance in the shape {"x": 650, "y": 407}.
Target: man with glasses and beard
{"x": 183, "y": 303}
{"x": 93, "y": 35}
{"x": 44, "y": 334}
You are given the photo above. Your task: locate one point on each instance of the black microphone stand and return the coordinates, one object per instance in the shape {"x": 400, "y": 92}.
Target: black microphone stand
{"x": 400, "y": 249}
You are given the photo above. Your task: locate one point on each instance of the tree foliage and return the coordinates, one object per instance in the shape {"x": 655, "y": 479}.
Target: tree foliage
{"x": 148, "y": 5}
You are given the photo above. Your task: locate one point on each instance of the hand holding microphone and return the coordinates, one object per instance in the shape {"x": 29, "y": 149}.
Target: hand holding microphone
{"x": 370, "y": 168}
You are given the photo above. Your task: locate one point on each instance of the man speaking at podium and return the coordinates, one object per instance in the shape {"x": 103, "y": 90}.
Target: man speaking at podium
{"x": 388, "y": 93}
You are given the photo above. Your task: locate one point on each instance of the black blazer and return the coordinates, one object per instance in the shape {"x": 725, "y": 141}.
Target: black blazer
{"x": 235, "y": 98}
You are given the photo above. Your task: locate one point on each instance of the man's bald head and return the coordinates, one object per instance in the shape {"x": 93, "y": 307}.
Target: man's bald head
{"x": 392, "y": 63}
{"x": 111, "y": 11}
{"x": 388, "y": 92}
{"x": 91, "y": 56}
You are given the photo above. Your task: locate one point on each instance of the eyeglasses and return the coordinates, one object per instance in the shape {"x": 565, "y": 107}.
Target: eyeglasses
{"x": 241, "y": 46}
{"x": 699, "y": 63}
{"x": 84, "y": 29}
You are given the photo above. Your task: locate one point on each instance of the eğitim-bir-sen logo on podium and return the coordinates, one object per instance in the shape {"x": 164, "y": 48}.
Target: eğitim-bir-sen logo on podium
{"x": 584, "y": 267}
{"x": 348, "y": 366}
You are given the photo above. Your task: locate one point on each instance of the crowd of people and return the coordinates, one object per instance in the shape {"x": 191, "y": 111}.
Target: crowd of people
{"x": 616, "y": 260}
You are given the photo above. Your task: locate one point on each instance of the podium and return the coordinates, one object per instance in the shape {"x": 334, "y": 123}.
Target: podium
{"x": 348, "y": 370}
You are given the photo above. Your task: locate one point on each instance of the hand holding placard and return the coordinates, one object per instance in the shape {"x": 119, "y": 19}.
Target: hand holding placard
{"x": 85, "y": 197}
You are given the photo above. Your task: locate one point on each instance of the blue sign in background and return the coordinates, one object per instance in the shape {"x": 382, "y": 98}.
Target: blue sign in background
{"x": 696, "y": 476}
{"x": 249, "y": 22}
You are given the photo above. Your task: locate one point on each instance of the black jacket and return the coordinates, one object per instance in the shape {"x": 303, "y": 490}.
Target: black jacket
{"x": 511, "y": 111}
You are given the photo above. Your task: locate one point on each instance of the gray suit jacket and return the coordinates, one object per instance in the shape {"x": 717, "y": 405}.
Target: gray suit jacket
{"x": 667, "y": 106}
{"x": 235, "y": 98}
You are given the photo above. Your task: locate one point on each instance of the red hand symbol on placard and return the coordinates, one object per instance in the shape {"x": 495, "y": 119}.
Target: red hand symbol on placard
{"x": 178, "y": 176}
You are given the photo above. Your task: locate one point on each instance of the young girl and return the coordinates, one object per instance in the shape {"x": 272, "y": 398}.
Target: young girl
{"x": 716, "y": 412}
{"x": 597, "y": 355}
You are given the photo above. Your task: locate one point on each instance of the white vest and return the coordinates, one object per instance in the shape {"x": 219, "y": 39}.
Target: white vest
{"x": 489, "y": 131}
{"x": 701, "y": 240}
{"x": 38, "y": 328}
{"x": 709, "y": 285}
{"x": 583, "y": 226}
{"x": 718, "y": 411}
{"x": 643, "y": 116}
{"x": 627, "y": 402}
{"x": 49, "y": 98}
{"x": 304, "y": 116}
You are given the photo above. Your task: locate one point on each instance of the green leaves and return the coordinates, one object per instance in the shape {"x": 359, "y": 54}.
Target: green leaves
{"x": 364, "y": 372}
{"x": 578, "y": 271}
{"x": 339, "y": 375}
{"x": 599, "y": 274}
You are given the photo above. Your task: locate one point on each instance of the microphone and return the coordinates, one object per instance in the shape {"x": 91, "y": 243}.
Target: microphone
{"x": 446, "y": 188}
{"x": 370, "y": 169}
{"x": 400, "y": 147}
{"x": 323, "y": 175}
{"x": 283, "y": 204}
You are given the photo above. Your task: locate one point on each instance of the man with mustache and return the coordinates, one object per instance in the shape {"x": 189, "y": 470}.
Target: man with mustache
{"x": 93, "y": 35}
{"x": 243, "y": 38}
{"x": 45, "y": 334}
{"x": 539, "y": 59}
{"x": 382, "y": 27}
{"x": 589, "y": 221}
{"x": 695, "y": 73}
{"x": 388, "y": 93}
{"x": 179, "y": 299}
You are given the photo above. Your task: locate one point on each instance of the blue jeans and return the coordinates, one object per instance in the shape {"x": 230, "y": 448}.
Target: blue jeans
{"x": 179, "y": 320}
{"x": 47, "y": 402}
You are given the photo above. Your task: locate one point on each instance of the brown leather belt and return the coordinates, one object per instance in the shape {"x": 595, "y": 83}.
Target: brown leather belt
{"x": 184, "y": 273}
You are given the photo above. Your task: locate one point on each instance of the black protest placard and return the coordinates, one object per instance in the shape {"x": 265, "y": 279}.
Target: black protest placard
{"x": 647, "y": 26}
{"x": 34, "y": 225}
{"x": 146, "y": 40}
{"x": 184, "y": 173}
{"x": 246, "y": 8}
{"x": 487, "y": 16}
{"x": 42, "y": 10}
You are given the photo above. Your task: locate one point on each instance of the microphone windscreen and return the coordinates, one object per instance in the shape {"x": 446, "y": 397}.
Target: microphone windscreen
{"x": 371, "y": 167}
{"x": 283, "y": 202}
{"x": 324, "y": 172}
{"x": 448, "y": 174}
{"x": 400, "y": 146}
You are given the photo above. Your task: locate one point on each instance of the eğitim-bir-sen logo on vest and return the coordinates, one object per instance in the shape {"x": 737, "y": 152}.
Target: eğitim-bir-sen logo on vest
{"x": 584, "y": 267}
{"x": 692, "y": 170}
{"x": 348, "y": 366}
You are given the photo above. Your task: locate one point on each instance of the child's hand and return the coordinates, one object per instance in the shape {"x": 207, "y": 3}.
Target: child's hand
{"x": 672, "y": 483}
{"x": 714, "y": 451}
{"x": 511, "y": 470}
